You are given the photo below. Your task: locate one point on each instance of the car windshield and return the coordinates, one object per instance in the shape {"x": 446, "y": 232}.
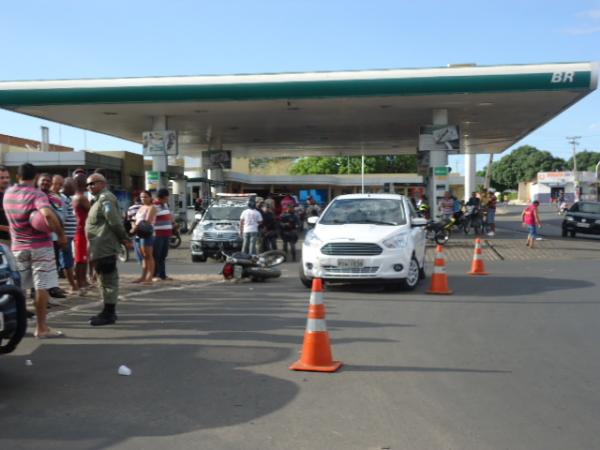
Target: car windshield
{"x": 376, "y": 211}
{"x": 591, "y": 208}
{"x": 224, "y": 212}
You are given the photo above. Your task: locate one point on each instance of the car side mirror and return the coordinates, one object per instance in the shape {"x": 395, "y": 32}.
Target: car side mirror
{"x": 418, "y": 222}
{"x": 312, "y": 221}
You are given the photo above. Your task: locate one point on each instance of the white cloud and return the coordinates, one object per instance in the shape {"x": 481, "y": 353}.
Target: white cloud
{"x": 590, "y": 14}
{"x": 577, "y": 31}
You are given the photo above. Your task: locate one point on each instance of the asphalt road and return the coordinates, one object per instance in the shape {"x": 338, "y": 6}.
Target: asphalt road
{"x": 510, "y": 361}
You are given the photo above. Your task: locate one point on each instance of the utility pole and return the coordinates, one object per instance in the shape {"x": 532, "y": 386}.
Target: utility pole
{"x": 574, "y": 141}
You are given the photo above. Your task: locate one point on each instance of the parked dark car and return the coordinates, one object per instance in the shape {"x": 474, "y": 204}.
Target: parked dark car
{"x": 13, "y": 314}
{"x": 583, "y": 217}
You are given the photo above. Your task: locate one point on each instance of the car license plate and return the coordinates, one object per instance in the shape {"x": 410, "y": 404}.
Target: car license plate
{"x": 238, "y": 271}
{"x": 583, "y": 225}
{"x": 350, "y": 263}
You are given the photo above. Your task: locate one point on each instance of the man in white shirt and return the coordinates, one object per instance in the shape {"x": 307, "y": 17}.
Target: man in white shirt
{"x": 249, "y": 222}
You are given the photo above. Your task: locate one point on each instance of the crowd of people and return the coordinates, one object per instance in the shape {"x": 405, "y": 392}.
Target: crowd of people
{"x": 58, "y": 226}
{"x": 260, "y": 226}
{"x": 481, "y": 204}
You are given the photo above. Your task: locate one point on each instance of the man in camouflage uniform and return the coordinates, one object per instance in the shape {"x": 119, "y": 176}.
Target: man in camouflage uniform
{"x": 105, "y": 232}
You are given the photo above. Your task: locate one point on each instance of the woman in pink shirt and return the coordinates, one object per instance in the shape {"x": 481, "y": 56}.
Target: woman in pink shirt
{"x": 531, "y": 219}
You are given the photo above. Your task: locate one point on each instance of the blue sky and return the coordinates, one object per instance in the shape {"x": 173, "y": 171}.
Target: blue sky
{"x": 75, "y": 39}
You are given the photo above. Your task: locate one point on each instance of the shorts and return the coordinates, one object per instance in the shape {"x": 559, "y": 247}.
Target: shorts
{"x": 532, "y": 231}
{"x": 81, "y": 249}
{"x": 146, "y": 242}
{"x": 491, "y": 216}
{"x": 37, "y": 268}
{"x": 66, "y": 255}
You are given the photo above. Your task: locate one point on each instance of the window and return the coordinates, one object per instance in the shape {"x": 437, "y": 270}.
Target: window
{"x": 365, "y": 210}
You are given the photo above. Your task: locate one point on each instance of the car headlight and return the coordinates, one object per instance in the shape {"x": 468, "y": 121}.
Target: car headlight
{"x": 312, "y": 240}
{"x": 396, "y": 241}
{"x": 570, "y": 218}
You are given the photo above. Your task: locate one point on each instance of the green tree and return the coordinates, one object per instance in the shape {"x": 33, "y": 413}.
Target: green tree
{"x": 523, "y": 164}
{"x": 336, "y": 165}
{"x": 586, "y": 160}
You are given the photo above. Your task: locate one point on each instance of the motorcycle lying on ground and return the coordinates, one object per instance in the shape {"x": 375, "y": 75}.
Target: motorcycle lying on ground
{"x": 255, "y": 267}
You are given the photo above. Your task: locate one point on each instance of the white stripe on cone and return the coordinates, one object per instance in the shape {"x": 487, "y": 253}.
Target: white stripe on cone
{"x": 439, "y": 269}
{"x": 315, "y": 325}
{"x": 316, "y": 298}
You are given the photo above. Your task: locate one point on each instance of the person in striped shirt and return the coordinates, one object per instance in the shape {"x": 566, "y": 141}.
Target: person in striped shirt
{"x": 163, "y": 229}
{"x": 32, "y": 248}
{"x": 70, "y": 225}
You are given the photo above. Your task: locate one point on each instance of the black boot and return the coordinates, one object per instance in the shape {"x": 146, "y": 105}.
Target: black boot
{"x": 107, "y": 316}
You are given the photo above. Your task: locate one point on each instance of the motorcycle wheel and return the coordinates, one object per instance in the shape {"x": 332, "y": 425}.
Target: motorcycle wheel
{"x": 441, "y": 237}
{"x": 174, "y": 241}
{"x": 123, "y": 253}
{"x": 273, "y": 257}
{"x": 262, "y": 273}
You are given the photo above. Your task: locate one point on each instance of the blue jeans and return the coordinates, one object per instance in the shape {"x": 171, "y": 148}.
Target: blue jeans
{"x": 249, "y": 245}
{"x": 532, "y": 231}
{"x": 161, "y": 250}
{"x": 138, "y": 250}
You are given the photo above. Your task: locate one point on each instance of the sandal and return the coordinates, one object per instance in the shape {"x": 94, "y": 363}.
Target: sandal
{"x": 50, "y": 334}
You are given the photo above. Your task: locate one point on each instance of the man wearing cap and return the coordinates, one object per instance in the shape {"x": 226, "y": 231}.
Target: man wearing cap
{"x": 105, "y": 232}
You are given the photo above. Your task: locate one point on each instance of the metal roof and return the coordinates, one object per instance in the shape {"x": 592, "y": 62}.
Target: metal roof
{"x": 378, "y": 111}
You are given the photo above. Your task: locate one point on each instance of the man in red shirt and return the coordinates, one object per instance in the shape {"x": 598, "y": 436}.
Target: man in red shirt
{"x": 163, "y": 229}
{"x": 33, "y": 249}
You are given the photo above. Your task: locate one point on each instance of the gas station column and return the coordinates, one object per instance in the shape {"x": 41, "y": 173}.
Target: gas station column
{"x": 216, "y": 174}
{"x": 470, "y": 173}
{"x": 160, "y": 163}
{"x": 437, "y": 158}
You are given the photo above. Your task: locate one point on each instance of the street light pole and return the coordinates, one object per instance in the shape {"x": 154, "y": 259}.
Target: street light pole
{"x": 597, "y": 181}
{"x": 574, "y": 141}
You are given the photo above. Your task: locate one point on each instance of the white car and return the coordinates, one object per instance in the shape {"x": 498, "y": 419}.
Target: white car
{"x": 377, "y": 237}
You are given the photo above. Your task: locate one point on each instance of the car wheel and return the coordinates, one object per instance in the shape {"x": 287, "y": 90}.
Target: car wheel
{"x": 572, "y": 233}
{"x": 413, "y": 276}
{"x": 198, "y": 258}
{"x": 306, "y": 282}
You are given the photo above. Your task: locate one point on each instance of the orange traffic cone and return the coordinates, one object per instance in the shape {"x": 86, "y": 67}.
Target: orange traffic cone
{"x": 477, "y": 267}
{"x": 439, "y": 278}
{"x": 316, "y": 351}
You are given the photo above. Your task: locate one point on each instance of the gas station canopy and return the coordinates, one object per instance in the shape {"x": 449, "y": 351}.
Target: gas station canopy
{"x": 321, "y": 113}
